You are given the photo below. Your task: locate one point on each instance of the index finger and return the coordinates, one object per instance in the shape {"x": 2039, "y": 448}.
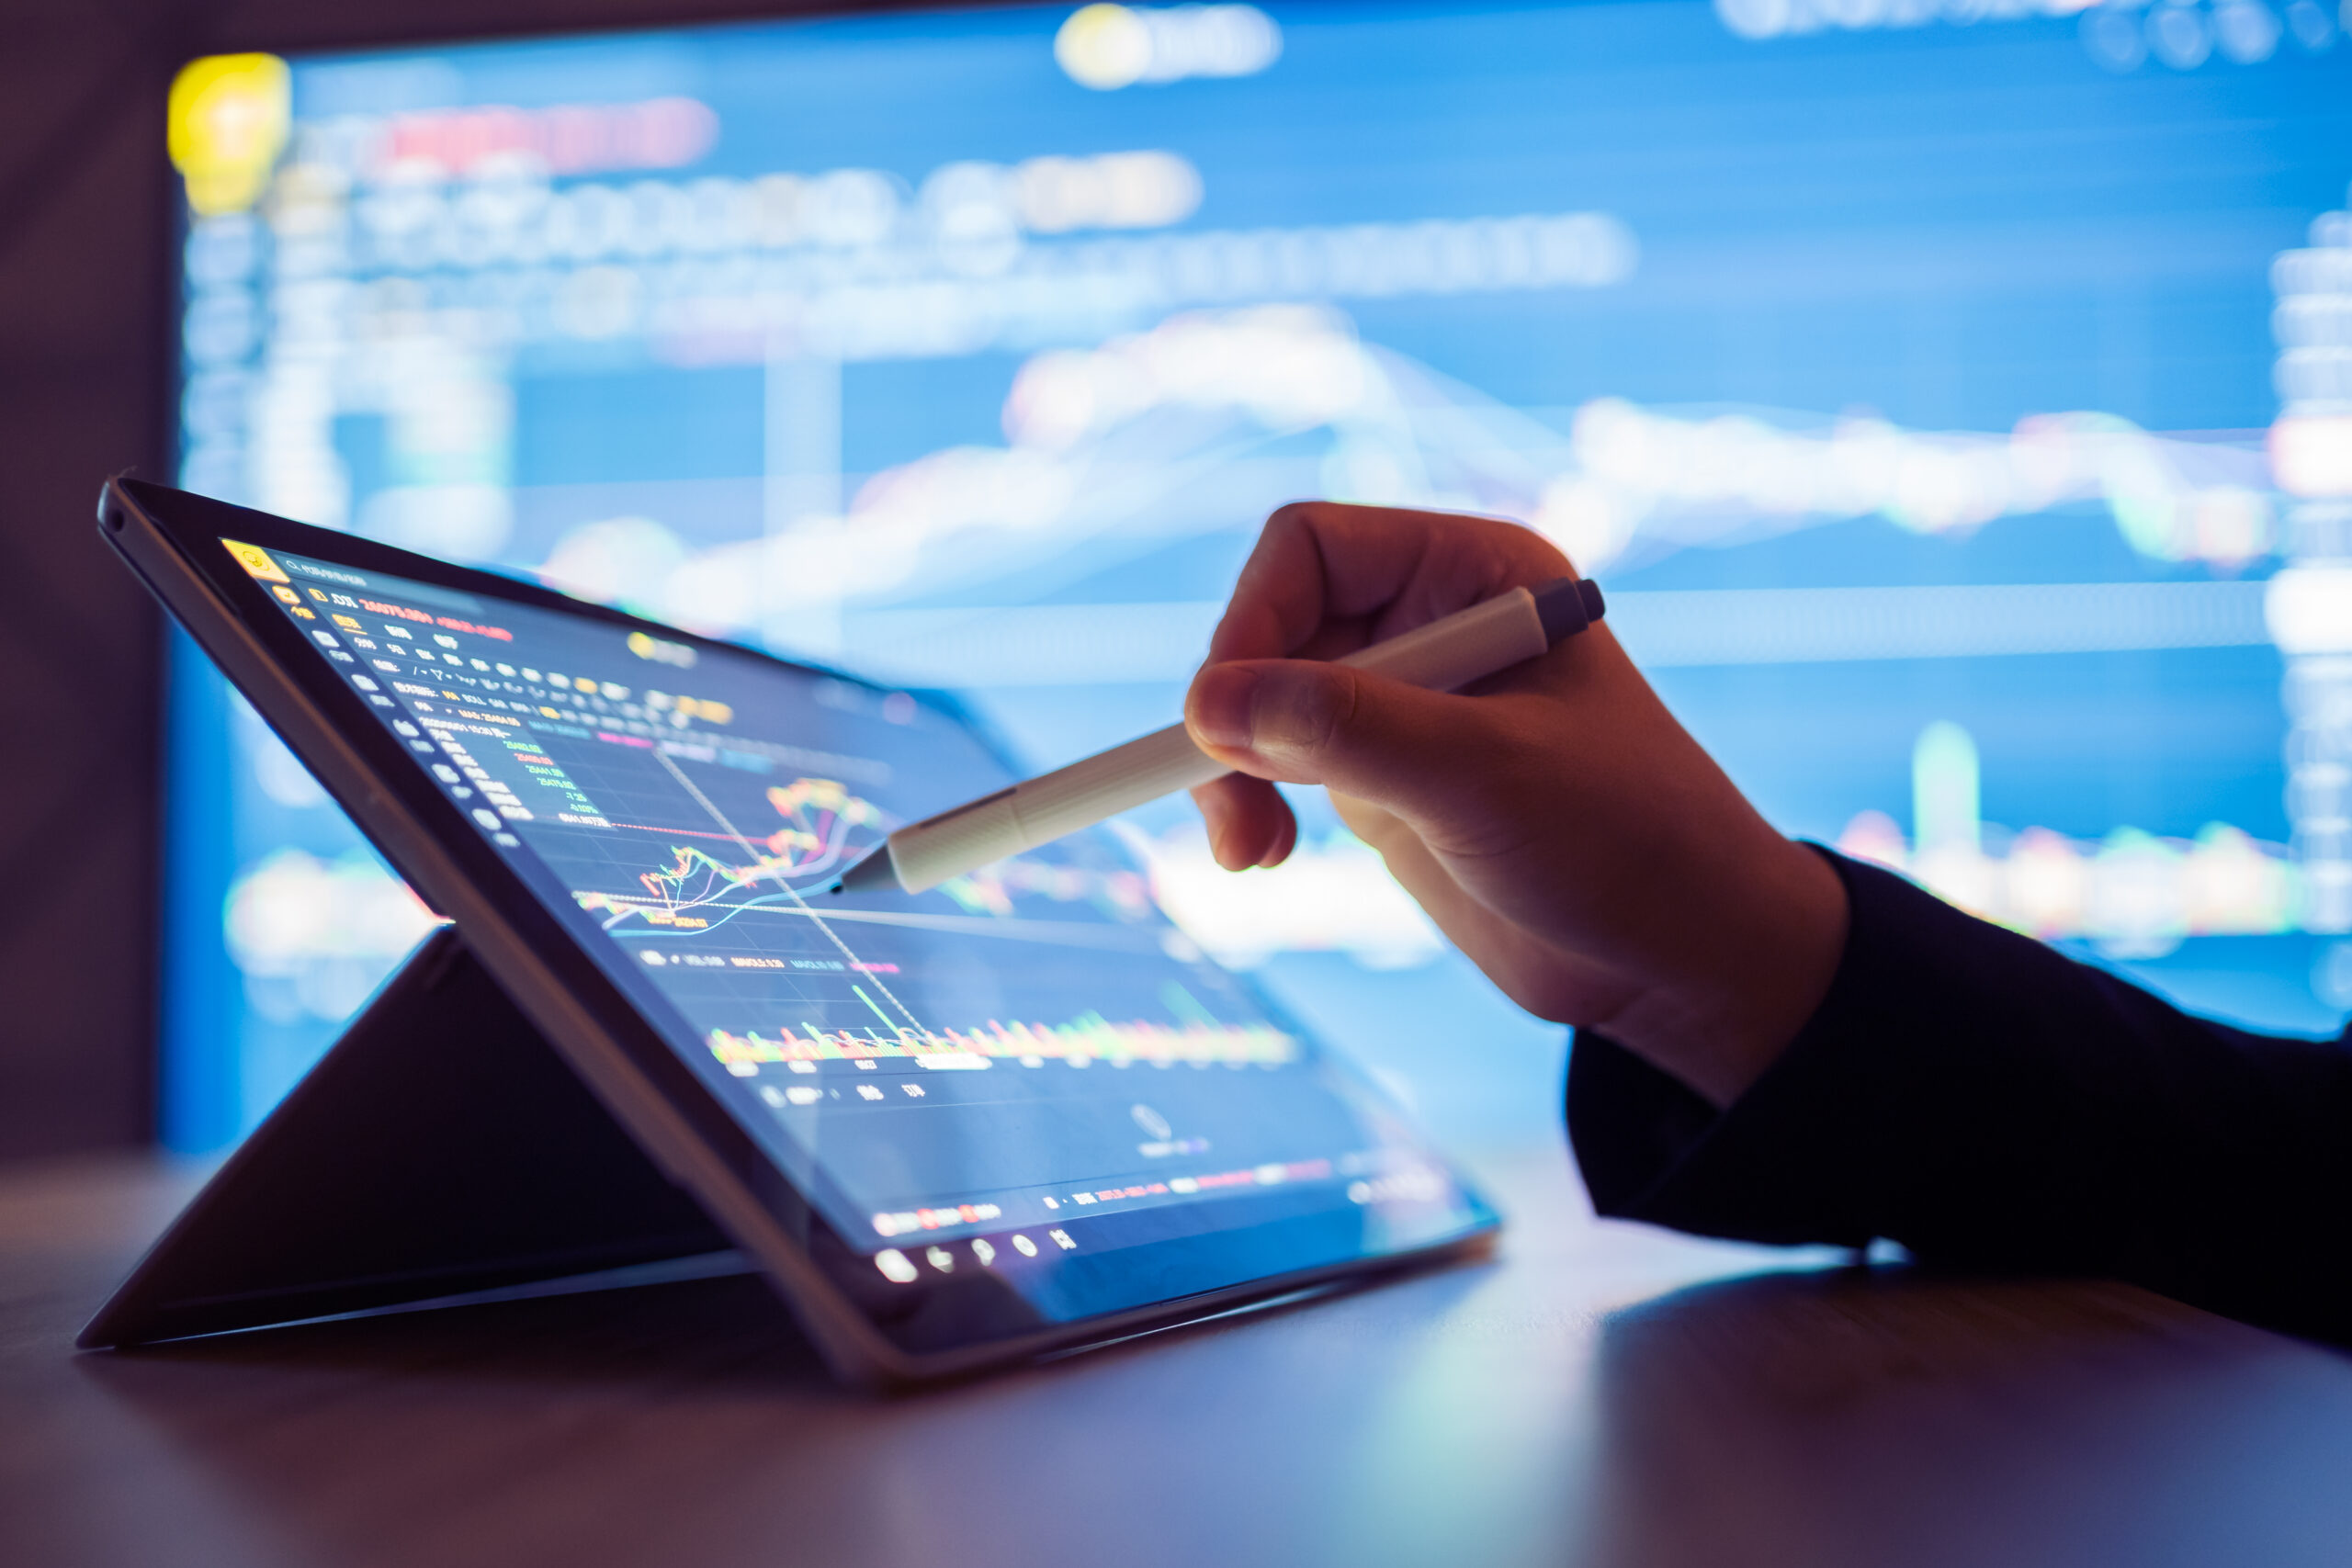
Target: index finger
{"x": 1327, "y": 578}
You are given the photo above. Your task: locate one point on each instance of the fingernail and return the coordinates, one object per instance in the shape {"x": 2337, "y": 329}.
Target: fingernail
{"x": 1290, "y": 709}
{"x": 1223, "y": 698}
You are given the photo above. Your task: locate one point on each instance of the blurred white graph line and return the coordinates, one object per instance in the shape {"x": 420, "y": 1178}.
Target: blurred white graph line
{"x": 1649, "y": 480}
{"x": 1058, "y": 645}
{"x": 1117, "y": 442}
{"x": 1807, "y": 625}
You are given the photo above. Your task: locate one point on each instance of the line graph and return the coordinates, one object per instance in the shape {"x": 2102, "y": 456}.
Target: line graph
{"x": 839, "y": 1004}
{"x": 992, "y": 889}
{"x": 819, "y": 817}
{"x": 720, "y": 816}
{"x": 695, "y": 891}
{"x": 711, "y": 917}
{"x": 825, "y": 825}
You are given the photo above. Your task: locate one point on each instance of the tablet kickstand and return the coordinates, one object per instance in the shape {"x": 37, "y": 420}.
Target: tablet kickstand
{"x": 440, "y": 1147}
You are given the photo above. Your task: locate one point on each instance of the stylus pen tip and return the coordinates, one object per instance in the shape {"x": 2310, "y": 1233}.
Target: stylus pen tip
{"x": 836, "y": 887}
{"x": 876, "y": 874}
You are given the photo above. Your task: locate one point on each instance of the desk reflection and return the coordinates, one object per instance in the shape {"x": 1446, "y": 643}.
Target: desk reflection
{"x": 1596, "y": 1395}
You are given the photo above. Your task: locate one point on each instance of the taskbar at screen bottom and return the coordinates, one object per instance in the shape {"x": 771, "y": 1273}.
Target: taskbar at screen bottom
{"x": 930, "y": 1295}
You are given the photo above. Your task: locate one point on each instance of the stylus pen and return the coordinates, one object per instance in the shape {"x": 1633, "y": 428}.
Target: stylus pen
{"x": 1464, "y": 646}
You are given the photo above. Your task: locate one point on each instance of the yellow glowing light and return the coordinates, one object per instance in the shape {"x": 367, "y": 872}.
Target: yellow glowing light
{"x": 1104, "y": 47}
{"x": 255, "y": 560}
{"x": 228, "y": 121}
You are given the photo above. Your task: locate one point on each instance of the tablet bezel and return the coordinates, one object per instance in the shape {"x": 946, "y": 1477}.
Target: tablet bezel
{"x": 172, "y": 540}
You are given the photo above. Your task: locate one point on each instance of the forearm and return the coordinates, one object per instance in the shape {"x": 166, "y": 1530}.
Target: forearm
{"x": 1984, "y": 1100}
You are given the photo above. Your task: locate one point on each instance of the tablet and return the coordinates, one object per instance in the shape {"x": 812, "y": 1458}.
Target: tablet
{"x": 1019, "y": 1112}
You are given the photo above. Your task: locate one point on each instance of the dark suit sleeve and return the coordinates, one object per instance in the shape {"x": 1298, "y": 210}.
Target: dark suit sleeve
{"x": 1989, "y": 1103}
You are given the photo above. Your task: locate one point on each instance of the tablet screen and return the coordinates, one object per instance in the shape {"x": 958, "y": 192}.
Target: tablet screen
{"x": 1027, "y": 1072}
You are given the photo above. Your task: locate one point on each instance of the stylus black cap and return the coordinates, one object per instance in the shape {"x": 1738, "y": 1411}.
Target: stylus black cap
{"x": 1568, "y": 606}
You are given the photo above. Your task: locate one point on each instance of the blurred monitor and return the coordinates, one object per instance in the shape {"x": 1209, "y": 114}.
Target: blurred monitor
{"x": 1952, "y": 395}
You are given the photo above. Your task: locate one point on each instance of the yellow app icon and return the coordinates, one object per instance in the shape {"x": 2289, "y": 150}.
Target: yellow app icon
{"x": 286, "y": 594}
{"x": 256, "y": 559}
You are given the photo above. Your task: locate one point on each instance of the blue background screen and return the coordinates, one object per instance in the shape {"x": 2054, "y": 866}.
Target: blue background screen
{"x": 1954, "y": 396}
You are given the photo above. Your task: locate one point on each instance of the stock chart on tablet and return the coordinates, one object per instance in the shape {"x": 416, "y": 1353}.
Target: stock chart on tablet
{"x": 1955, "y": 396}
{"x": 1004, "y": 1054}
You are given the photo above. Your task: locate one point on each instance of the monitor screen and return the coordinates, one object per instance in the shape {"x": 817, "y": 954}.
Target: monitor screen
{"x": 1027, "y": 1062}
{"x": 1952, "y": 395}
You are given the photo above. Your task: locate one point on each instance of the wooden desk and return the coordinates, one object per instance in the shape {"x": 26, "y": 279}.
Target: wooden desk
{"x": 1599, "y": 1394}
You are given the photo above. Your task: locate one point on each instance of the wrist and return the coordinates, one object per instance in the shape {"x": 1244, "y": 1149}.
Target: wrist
{"x": 1741, "y": 993}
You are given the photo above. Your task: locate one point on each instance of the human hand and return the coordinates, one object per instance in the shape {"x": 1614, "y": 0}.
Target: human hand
{"x": 1554, "y": 820}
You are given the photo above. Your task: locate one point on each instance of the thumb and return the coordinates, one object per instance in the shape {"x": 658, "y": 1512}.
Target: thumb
{"x": 1429, "y": 756}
